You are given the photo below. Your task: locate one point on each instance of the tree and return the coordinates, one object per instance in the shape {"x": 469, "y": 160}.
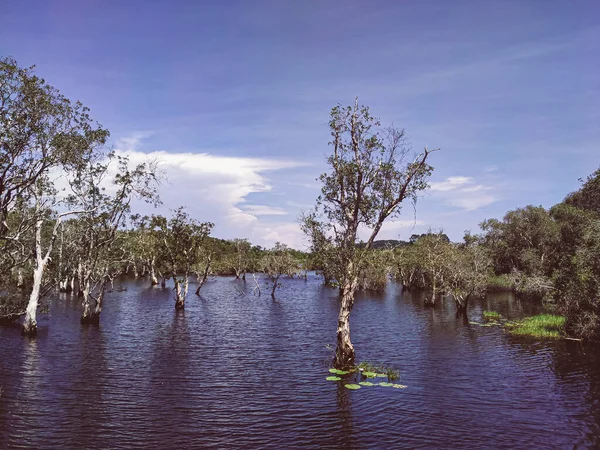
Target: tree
{"x": 40, "y": 131}
{"x": 242, "y": 250}
{"x": 433, "y": 249}
{"x": 99, "y": 228}
{"x": 467, "y": 272}
{"x": 370, "y": 176}
{"x": 277, "y": 262}
{"x": 181, "y": 237}
{"x": 588, "y": 196}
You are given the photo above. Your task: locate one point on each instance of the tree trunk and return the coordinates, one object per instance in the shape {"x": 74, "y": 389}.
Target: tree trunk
{"x": 344, "y": 352}
{"x": 153, "y": 278}
{"x": 274, "y": 286}
{"x": 179, "y": 297}
{"x": 204, "y": 278}
{"x": 99, "y": 302}
{"x": 244, "y": 276}
{"x": 163, "y": 282}
{"x": 30, "y": 325}
{"x": 431, "y": 301}
{"x": 86, "y": 315}
{"x": 461, "y": 306}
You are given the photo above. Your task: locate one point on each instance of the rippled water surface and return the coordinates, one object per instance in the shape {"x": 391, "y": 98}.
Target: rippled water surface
{"x": 239, "y": 371}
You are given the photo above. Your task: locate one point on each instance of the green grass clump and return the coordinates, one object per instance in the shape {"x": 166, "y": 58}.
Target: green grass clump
{"x": 541, "y": 326}
{"x": 500, "y": 283}
{"x": 491, "y": 315}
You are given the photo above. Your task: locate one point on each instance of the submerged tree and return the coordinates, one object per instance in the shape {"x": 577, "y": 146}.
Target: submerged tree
{"x": 371, "y": 174}
{"x": 40, "y": 131}
{"x": 181, "y": 238}
{"x": 99, "y": 252}
{"x": 277, "y": 262}
{"x": 467, "y": 270}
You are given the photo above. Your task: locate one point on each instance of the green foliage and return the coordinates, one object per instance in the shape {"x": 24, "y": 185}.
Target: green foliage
{"x": 352, "y": 386}
{"x": 377, "y": 370}
{"x": 540, "y": 326}
{"x": 332, "y": 378}
{"x": 491, "y": 315}
{"x": 588, "y": 196}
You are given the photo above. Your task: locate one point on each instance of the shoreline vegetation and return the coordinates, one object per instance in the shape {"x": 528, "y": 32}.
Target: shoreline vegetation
{"x": 541, "y": 326}
{"x": 80, "y": 240}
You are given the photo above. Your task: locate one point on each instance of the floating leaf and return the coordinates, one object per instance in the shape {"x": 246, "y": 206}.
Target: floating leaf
{"x": 366, "y": 383}
{"x": 333, "y": 378}
{"x": 385, "y": 384}
{"x": 369, "y": 374}
{"x": 352, "y": 386}
{"x": 399, "y": 386}
{"x": 381, "y": 375}
{"x": 338, "y": 371}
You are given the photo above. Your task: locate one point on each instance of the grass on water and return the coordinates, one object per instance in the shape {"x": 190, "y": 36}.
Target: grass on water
{"x": 491, "y": 315}
{"x": 540, "y": 326}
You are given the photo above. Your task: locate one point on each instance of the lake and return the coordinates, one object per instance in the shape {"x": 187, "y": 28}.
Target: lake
{"x": 239, "y": 371}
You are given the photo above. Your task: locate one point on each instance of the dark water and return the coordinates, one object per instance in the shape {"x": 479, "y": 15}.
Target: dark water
{"x": 246, "y": 372}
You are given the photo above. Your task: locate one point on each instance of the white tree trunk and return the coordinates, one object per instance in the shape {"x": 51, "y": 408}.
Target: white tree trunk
{"x": 30, "y": 325}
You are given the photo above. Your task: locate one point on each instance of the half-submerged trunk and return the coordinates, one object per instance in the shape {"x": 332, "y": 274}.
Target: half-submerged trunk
{"x": 204, "y": 277}
{"x": 87, "y": 316}
{"x": 344, "y": 352}
{"x": 180, "y": 292}
{"x": 275, "y": 284}
{"x": 153, "y": 279}
{"x": 431, "y": 300}
{"x": 461, "y": 307}
{"x": 30, "y": 324}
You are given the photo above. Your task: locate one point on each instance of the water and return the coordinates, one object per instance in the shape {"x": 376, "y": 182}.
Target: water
{"x": 235, "y": 371}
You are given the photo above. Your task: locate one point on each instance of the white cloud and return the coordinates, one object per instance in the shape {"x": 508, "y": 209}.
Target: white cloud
{"x": 262, "y": 210}
{"x": 462, "y": 192}
{"x": 450, "y": 184}
{"x": 216, "y": 188}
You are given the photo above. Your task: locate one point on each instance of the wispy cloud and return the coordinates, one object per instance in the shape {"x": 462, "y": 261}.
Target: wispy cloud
{"x": 262, "y": 210}
{"x": 463, "y": 192}
{"x": 216, "y": 188}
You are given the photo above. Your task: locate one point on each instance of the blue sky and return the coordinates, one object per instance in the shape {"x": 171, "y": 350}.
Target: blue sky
{"x": 234, "y": 96}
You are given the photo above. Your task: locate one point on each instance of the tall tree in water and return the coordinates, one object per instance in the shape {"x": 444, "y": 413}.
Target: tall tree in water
{"x": 100, "y": 251}
{"x": 40, "y": 131}
{"x": 372, "y": 172}
{"x": 181, "y": 239}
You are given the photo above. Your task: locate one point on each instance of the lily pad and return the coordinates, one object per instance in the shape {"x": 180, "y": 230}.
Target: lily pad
{"x": 352, "y": 386}
{"x": 381, "y": 375}
{"x": 338, "y": 371}
{"x": 333, "y": 378}
{"x": 399, "y": 386}
{"x": 366, "y": 383}
{"x": 369, "y": 374}
{"x": 385, "y": 384}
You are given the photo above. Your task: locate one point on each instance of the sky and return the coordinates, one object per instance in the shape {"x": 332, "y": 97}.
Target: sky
{"x": 233, "y": 97}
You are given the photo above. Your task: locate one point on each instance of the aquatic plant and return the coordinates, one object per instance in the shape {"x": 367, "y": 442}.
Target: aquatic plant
{"x": 491, "y": 315}
{"x": 371, "y": 371}
{"x": 541, "y": 326}
{"x": 352, "y": 386}
{"x": 339, "y": 372}
{"x": 333, "y": 378}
